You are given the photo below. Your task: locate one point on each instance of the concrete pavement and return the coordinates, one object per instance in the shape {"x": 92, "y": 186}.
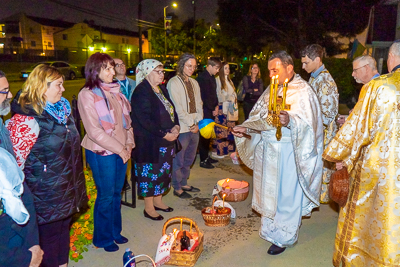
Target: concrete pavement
{"x": 236, "y": 244}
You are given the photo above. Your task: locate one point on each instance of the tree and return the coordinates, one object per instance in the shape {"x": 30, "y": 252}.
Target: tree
{"x": 290, "y": 24}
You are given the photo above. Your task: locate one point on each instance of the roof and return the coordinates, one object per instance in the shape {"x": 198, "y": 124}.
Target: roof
{"x": 113, "y": 31}
{"x": 51, "y": 22}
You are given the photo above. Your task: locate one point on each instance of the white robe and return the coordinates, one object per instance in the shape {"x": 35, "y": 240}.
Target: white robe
{"x": 274, "y": 162}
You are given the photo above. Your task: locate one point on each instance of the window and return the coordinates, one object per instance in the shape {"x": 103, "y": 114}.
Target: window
{"x": 127, "y": 41}
{"x": 31, "y": 30}
{"x": 123, "y": 40}
{"x": 65, "y": 36}
{"x": 48, "y": 32}
{"x": 96, "y": 37}
{"x": 49, "y": 44}
{"x": 33, "y": 43}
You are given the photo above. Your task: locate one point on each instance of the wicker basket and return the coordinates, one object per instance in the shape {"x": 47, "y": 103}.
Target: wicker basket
{"x": 185, "y": 258}
{"x": 216, "y": 219}
{"x": 233, "y": 195}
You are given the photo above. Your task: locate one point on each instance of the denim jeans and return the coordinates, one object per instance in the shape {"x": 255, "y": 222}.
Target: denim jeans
{"x": 184, "y": 159}
{"x": 109, "y": 177}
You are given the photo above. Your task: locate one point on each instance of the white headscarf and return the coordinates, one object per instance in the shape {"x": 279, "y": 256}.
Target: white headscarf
{"x": 144, "y": 68}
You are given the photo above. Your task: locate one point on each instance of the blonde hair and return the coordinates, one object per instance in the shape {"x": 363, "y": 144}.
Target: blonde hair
{"x": 35, "y": 87}
{"x": 259, "y": 71}
{"x": 221, "y": 75}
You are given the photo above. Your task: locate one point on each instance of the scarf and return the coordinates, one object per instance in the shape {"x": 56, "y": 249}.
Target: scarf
{"x": 59, "y": 111}
{"x": 106, "y": 118}
{"x": 144, "y": 68}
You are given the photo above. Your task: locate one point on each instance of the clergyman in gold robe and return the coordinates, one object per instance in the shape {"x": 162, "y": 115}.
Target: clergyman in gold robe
{"x": 368, "y": 145}
{"x": 326, "y": 90}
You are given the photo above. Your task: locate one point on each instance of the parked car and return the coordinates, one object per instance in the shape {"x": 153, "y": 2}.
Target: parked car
{"x": 68, "y": 70}
{"x": 168, "y": 74}
{"x": 132, "y": 69}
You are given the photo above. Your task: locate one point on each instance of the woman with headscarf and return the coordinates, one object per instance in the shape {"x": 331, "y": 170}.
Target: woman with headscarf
{"x": 108, "y": 144}
{"x": 156, "y": 128}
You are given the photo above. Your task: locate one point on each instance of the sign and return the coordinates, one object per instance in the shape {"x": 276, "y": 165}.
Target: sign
{"x": 167, "y": 21}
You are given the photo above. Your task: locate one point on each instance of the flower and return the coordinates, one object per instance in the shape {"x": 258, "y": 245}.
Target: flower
{"x": 154, "y": 177}
{"x": 87, "y": 216}
{"x": 75, "y": 255}
{"x": 166, "y": 166}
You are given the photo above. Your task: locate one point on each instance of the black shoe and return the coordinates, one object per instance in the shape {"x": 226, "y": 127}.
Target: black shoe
{"x": 182, "y": 195}
{"x": 169, "y": 209}
{"x": 111, "y": 248}
{"x": 211, "y": 160}
{"x": 206, "y": 164}
{"x": 158, "y": 218}
{"x": 121, "y": 240}
{"x": 191, "y": 189}
{"x": 275, "y": 250}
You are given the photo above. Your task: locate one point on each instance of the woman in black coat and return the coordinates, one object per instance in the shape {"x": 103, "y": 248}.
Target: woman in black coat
{"x": 47, "y": 143}
{"x": 156, "y": 128}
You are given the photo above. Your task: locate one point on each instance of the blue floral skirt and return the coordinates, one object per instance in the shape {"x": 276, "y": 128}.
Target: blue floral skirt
{"x": 154, "y": 179}
{"x": 225, "y": 141}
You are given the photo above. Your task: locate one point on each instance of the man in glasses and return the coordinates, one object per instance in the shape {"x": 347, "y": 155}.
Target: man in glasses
{"x": 368, "y": 147}
{"x": 364, "y": 69}
{"x": 326, "y": 90}
{"x": 127, "y": 84}
{"x": 19, "y": 236}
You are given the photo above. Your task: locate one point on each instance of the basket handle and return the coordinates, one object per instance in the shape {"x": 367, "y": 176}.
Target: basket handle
{"x": 194, "y": 224}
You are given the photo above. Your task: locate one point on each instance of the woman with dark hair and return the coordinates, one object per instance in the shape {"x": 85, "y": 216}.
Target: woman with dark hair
{"x": 108, "y": 144}
{"x": 185, "y": 93}
{"x": 46, "y": 144}
{"x": 228, "y": 113}
{"x": 252, "y": 88}
{"x": 156, "y": 128}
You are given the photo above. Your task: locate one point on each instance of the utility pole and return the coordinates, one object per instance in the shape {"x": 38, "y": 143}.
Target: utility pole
{"x": 140, "y": 31}
{"x": 194, "y": 27}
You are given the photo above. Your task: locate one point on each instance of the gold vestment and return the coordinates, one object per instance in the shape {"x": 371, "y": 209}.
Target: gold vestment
{"x": 368, "y": 232}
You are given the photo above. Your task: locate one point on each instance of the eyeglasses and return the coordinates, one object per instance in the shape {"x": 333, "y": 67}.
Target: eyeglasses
{"x": 359, "y": 67}
{"x": 160, "y": 72}
{"x": 119, "y": 65}
{"x": 5, "y": 91}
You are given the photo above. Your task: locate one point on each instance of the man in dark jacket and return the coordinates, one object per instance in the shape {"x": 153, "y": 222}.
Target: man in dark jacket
{"x": 208, "y": 90}
{"x": 19, "y": 243}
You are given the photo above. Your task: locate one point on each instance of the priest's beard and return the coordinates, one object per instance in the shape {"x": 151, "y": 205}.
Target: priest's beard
{"x": 5, "y": 107}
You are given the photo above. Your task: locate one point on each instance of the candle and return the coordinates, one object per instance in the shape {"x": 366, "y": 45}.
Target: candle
{"x": 271, "y": 92}
{"x": 223, "y": 200}
{"x": 190, "y": 227}
{"x": 276, "y": 91}
{"x": 181, "y": 225}
{"x": 284, "y": 94}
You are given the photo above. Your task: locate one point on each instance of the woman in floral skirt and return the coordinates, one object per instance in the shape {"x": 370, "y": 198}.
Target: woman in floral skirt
{"x": 156, "y": 128}
{"x": 227, "y": 113}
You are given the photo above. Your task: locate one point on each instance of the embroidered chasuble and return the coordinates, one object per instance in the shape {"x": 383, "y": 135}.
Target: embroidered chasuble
{"x": 286, "y": 173}
{"x": 368, "y": 232}
{"x": 325, "y": 88}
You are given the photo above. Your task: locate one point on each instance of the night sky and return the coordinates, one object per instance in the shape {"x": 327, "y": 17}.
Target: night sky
{"x": 123, "y": 9}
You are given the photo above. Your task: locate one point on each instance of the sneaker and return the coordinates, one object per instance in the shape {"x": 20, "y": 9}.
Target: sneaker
{"x": 183, "y": 195}
{"x": 206, "y": 164}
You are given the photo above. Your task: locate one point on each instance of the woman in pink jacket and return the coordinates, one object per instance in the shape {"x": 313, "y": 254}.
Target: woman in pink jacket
{"x": 108, "y": 143}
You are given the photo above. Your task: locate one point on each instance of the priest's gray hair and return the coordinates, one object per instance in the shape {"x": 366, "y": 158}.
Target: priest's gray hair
{"x": 367, "y": 60}
{"x": 395, "y": 48}
{"x": 285, "y": 58}
{"x": 2, "y": 74}
{"x": 182, "y": 61}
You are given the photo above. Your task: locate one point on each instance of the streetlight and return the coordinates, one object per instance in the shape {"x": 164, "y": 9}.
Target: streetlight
{"x": 165, "y": 29}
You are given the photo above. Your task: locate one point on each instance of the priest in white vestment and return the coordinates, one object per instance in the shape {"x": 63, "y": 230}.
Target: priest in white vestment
{"x": 286, "y": 173}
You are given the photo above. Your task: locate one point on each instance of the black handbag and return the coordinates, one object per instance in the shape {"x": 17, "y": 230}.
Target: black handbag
{"x": 177, "y": 146}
